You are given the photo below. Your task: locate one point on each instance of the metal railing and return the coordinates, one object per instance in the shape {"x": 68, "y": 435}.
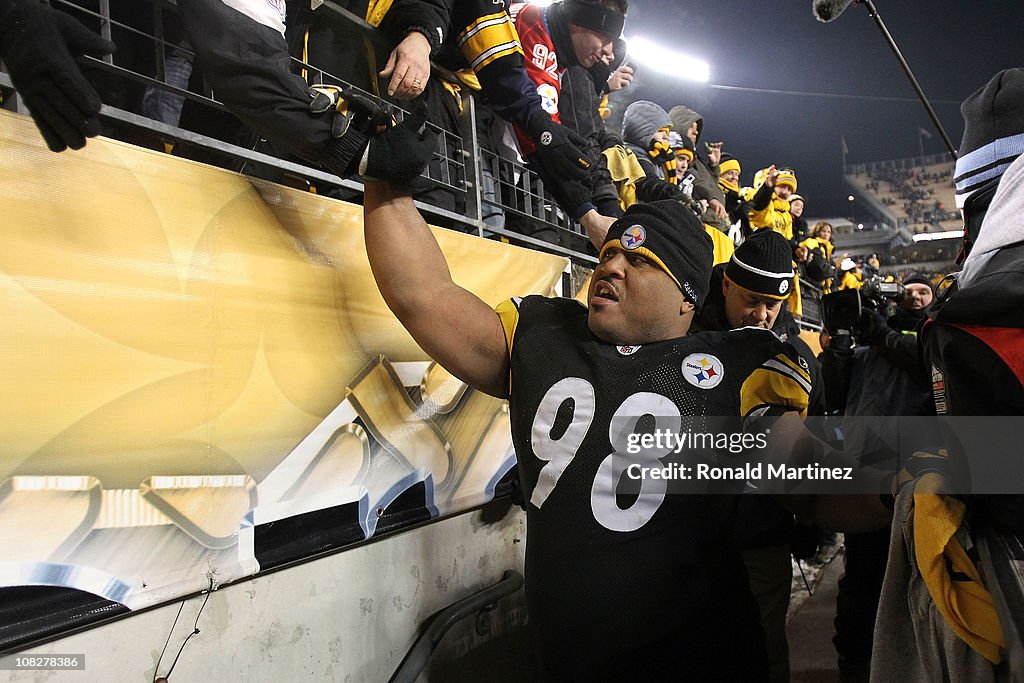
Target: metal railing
{"x": 493, "y": 196}
{"x": 479, "y": 603}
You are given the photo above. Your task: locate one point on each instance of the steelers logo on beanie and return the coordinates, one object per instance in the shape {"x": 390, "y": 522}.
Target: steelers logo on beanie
{"x": 763, "y": 264}
{"x": 670, "y": 236}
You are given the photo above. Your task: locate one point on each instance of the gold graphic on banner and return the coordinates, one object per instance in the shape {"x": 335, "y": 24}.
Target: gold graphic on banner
{"x": 186, "y": 345}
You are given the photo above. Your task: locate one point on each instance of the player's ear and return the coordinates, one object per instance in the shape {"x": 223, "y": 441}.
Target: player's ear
{"x": 686, "y": 307}
{"x": 725, "y": 287}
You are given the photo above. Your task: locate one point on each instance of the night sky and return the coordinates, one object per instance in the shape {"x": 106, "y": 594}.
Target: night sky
{"x": 953, "y": 48}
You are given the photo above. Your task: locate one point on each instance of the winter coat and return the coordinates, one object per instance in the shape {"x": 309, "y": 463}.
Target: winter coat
{"x": 705, "y": 173}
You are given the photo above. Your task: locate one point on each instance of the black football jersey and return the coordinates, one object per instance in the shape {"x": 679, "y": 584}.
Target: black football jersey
{"x": 648, "y": 579}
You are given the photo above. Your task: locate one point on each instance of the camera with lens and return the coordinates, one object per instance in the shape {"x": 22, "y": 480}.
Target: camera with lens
{"x": 841, "y": 314}
{"x": 841, "y": 311}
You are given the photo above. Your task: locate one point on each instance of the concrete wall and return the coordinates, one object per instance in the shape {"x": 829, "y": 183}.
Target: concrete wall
{"x": 348, "y": 617}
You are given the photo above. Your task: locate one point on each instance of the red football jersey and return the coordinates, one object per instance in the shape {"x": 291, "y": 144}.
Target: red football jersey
{"x": 541, "y": 62}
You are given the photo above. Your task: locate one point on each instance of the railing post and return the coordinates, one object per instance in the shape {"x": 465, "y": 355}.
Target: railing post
{"x": 105, "y": 27}
{"x": 471, "y": 156}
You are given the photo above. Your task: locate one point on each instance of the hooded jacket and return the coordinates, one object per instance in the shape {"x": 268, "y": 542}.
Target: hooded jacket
{"x": 639, "y": 124}
{"x": 642, "y": 120}
{"x": 705, "y": 184}
{"x": 1002, "y": 225}
{"x": 974, "y": 340}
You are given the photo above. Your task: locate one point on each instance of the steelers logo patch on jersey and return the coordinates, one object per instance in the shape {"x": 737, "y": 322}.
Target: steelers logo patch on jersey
{"x": 627, "y": 350}
{"x": 703, "y": 370}
{"x": 803, "y": 363}
{"x": 633, "y": 237}
{"x": 783, "y": 286}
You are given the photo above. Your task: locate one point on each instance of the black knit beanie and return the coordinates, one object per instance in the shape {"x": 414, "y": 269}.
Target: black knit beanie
{"x": 918, "y": 278}
{"x": 671, "y": 236}
{"x": 763, "y": 264}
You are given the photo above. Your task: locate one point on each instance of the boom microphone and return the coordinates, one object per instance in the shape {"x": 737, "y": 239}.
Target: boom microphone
{"x": 829, "y": 10}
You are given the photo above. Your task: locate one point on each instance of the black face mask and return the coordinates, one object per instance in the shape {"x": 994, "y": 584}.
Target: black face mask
{"x": 975, "y": 209}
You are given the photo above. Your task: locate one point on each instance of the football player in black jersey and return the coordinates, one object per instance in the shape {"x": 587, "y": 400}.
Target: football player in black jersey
{"x": 620, "y": 585}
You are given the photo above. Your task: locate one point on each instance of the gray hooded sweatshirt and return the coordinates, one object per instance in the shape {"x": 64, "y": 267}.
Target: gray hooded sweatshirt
{"x": 705, "y": 183}
{"x": 639, "y": 124}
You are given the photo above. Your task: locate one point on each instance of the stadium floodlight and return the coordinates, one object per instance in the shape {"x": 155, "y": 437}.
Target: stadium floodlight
{"x": 658, "y": 58}
{"x": 945, "y": 235}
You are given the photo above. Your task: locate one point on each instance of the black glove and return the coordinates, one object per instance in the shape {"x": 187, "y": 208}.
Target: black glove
{"x": 399, "y": 154}
{"x": 873, "y": 326}
{"x": 39, "y": 45}
{"x": 559, "y": 150}
{"x": 351, "y": 109}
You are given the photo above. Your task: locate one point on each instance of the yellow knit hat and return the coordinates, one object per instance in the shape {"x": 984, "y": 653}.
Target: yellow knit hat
{"x": 729, "y": 165}
{"x": 786, "y": 177}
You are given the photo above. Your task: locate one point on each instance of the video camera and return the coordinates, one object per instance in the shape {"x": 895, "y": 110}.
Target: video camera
{"x": 841, "y": 311}
{"x": 841, "y": 314}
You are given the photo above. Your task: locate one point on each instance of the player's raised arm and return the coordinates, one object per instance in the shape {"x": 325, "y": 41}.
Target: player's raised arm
{"x": 453, "y": 325}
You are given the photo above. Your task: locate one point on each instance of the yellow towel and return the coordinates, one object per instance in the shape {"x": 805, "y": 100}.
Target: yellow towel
{"x": 625, "y": 171}
{"x": 966, "y": 605}
{"x": 794, "y": 302}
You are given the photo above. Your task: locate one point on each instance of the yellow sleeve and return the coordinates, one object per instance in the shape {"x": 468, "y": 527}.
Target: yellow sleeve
{"x": 764, "y": 218}
{"x": 795, "y": 303}
{"x": 487, "y": 39}
{"x": 780, "y": 382}
{"x": 722, "y": 244}
{"x": 508, "y": 312}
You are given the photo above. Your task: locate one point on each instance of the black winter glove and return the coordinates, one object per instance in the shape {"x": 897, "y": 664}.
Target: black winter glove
{"x": 351, "y": 109}
{"x": 560, "y": 163}
{"x": 399, "y": 154}
{"x": 39, "y": 45}
{"x": 873, "y": 326}
{"x": 559, "y": 150}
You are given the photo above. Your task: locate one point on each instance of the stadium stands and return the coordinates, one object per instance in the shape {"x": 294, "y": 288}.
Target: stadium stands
{"x": 913, "y": 193}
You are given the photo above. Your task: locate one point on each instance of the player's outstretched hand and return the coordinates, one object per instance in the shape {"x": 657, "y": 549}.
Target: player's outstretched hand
{"x": 39, "y": 45}
{"x": 933, "y": 471}
{"x": 400, "y": 153}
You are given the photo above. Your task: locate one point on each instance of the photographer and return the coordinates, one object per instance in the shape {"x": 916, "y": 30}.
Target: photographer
{"x": 875, "y": 372}
{"x": 896, "y": 339}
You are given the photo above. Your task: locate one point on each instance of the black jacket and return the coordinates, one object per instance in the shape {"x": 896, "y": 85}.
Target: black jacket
{"x": 578, "y": 109}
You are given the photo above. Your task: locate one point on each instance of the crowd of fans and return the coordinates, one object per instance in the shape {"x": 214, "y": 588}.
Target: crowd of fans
{"x": 543, "y": 75}
{"x": 920, "y": 196}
